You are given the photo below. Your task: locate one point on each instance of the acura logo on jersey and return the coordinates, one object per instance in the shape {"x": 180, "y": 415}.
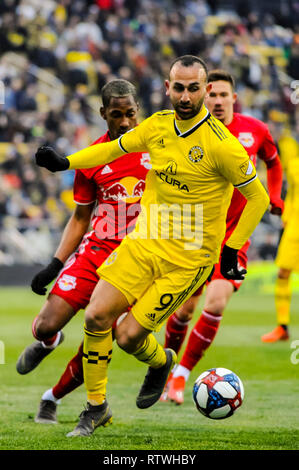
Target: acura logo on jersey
{"x": 195, "y": 154}
{"x": 171, "y": 167}
{"x": 246, "y": 139}
{"x": 172, "y": 181}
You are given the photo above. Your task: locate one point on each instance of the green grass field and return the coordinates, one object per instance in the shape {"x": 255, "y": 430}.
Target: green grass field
{"x": 268, "y": 418}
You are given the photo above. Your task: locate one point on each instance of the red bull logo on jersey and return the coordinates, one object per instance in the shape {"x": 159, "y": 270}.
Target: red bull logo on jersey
{"x": 67, "y": 282}
{"x": 128, "y": 189}
{"x": 246, "y": 139}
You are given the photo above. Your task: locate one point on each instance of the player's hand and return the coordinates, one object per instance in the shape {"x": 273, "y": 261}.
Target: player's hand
{"x": 229, "y": 264}
{"x": 277, "y": 207}
{"x": 45, "y": 276}
{"x": 48, "y": 158}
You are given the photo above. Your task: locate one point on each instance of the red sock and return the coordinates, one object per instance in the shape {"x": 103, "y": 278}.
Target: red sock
{"x": 175, "y": 333}
{"x": 72, "y": 376}
{"x": 48, "y": 341}
{"x": 200, "y": 338}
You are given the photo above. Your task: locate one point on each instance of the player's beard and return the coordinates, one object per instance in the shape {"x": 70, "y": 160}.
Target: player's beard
{"x": 191, "y": 109}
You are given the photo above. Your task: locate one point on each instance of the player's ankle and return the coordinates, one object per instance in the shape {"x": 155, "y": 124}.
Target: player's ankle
{"x": 285, "y": 327}
{"x": 181, "y": 371}
{"x": 49, "y": 396}
{"x": 52, "y": 342}
{"x": 96, "y": 400}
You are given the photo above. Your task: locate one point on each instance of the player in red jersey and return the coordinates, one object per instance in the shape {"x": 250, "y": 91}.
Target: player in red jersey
{"x": 109, "y": 197}
{"x": 257, "y": 140}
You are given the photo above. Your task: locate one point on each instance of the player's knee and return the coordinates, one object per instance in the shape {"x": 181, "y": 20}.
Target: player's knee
{"x": 127, "y": 342}
{"x": 44, "y": 328}
{"x": 216, "y": 305}
{"x": 284, "y": 273}
{"x": 185, "y": 312}
{"x": 97, "y": 320}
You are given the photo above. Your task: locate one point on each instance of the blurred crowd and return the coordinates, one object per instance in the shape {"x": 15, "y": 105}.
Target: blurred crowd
{"x": 56, "y": 56}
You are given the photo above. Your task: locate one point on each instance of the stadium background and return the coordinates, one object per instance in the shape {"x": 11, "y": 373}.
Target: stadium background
{"x": 54, "y": 58}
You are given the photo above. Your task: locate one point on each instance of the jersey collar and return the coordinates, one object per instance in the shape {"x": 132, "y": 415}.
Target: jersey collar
{"x": 183, "y": 128}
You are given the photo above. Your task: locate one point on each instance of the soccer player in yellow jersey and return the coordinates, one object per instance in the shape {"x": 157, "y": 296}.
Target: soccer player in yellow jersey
{"x": 287, "y": 258}
{"x": 196, "y": 163}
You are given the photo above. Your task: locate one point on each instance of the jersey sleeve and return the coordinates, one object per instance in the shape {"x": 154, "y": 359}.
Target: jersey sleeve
{"x": 84, "y": 190}
{"x": 233, "y": 162}
{"x": 257, "y": 203}
{"x": 268, "y": 149}
{"x": 134, "y": 140}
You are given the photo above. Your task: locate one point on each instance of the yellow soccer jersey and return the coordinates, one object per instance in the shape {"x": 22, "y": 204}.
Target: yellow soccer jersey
{"x": 288, "y": 150}
{"x": 195, "y": 164}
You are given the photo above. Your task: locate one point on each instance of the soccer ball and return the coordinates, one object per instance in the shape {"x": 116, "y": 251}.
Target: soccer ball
{"x": 217, "y": 393}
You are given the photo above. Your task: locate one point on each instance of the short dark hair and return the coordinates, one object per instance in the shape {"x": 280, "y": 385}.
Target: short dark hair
{"x": 117, "y": 88}
{"x": 189, "y": 60}
{"x": 220, "y": 74}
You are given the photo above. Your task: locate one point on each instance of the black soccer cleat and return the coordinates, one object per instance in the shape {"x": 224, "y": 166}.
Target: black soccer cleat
{"x": 155, "y": 381}
{"x": 91, "y": 418}
{"x": 46, "y": 413}
{"x": 33, "y": 355}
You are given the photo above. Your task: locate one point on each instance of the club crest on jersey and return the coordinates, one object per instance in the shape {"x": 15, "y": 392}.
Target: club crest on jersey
{"x": 67, "y": 282}
{"x": 246, "y": 168}
{"x": 195, "y": 154}
{"x": 246, "y": 139}
{"x": 171, "y": 167}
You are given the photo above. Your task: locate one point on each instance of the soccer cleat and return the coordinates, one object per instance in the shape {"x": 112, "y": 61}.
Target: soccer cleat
{"x": 176, "y": 390}
{"x": 91, "y": 418}
{"x": 278, "y": 334}
{"x": 154, "y": 382}
{"x": 164, "y": 396}
{"x": 46, "y": 412}
{"x": 33, "y": 355}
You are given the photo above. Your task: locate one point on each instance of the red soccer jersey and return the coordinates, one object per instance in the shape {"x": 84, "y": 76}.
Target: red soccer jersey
{"x": 257, "y": 141}
{"x": 116, "y": 188}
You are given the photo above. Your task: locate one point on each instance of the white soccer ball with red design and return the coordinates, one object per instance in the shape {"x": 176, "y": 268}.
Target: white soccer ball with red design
{"x": 218, "y": 392}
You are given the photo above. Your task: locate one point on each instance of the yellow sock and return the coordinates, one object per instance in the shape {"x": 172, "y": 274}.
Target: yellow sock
{"x": 282, "y": 301}
{"x": 151, "y": 352}
{"x": 97, "y": 351}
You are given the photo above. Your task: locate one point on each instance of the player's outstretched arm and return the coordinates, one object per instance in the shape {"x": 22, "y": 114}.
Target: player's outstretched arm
{"x": 134, "y": 140}
{"x": 89, "y": 157}
{"x": 47, "y": 157}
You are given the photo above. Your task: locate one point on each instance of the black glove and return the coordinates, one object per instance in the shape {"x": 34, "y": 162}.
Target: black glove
{"x": 45, "y": 276}
{"x": 229, "y": 264}
{"x": 50, "y": 159}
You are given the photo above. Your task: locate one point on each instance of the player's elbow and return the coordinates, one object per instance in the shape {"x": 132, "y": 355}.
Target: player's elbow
{"x": 265, "y": 200}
